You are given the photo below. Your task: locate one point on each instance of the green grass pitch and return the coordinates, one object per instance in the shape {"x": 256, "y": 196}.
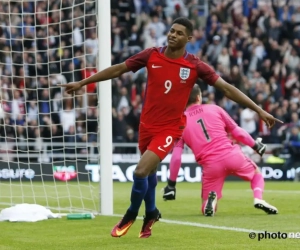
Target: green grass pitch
{"x": 235, "y": 210}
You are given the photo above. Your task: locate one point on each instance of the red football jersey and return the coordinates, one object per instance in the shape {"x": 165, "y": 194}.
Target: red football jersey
{"x": 169, "y": 84}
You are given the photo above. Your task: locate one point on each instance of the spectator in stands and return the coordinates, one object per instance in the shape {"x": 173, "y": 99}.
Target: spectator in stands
{"x": 248, "y": 122}
{"x": 293, "y": 146}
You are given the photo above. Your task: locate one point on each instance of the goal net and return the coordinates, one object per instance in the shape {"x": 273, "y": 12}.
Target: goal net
{"x": 48, "y": 139}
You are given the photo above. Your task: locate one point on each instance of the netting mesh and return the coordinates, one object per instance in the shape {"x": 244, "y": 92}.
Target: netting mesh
{"x": 48, "y": 139}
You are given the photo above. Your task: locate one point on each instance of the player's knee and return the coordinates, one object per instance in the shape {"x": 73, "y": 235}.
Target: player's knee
{"x": 141, "y": 172}
{"x": 153, "y": 171}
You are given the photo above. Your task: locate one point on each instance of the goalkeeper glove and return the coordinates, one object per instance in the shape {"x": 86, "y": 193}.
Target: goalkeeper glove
{"x": 259, "y": 147}
{"x": 169, "y": 192}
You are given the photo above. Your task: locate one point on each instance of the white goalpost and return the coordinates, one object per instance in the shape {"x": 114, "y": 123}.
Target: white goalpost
{"x": 50, "y": 142}
{"x": 105, "y": 110}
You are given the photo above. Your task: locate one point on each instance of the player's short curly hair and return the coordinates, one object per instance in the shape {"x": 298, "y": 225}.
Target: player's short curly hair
{"x": 186, "y": 23}
{"x": 193, "y": 95}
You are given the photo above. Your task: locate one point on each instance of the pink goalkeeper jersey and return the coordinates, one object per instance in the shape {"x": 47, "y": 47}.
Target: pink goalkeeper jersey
{"x": 206, "y": 132}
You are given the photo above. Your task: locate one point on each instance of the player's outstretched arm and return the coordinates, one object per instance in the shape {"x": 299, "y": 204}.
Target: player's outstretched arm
{"x": 237, "y": 132}
{"x": 106, "y": 74}
{"x": 242, "y": 136}
{"x": 236, "y": 95}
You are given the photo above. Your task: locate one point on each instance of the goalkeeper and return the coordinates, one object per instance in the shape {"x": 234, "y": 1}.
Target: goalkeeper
{"x": 206, "y": 134}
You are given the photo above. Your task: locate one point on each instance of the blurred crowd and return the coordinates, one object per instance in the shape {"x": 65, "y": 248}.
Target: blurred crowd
{"x": 252, "y": 44}
{"x": 43, "y": 44}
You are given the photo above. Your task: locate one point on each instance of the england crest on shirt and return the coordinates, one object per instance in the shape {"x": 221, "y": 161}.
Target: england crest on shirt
{"x": 184, "y": 73}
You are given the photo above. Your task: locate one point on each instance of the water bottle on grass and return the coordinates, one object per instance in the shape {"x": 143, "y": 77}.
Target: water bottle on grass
{"x": 86, "y": 216}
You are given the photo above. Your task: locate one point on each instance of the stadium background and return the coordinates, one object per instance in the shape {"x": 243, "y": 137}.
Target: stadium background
{"x": 55, "y": 43}
{"x": 254, "y": 45}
